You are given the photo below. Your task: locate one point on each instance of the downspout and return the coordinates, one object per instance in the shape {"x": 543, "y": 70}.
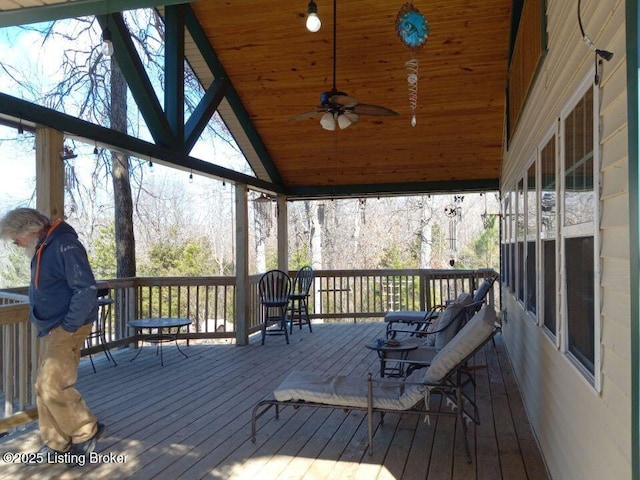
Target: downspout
{"x": 633, "y": 63}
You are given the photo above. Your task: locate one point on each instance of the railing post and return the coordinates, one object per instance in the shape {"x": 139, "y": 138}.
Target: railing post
{"x": 425, "y": 291}
{"x": 126, "y": 303}
{"x": 35, "y": 361}
{"x": 7, "y": 368}
{"x": 23, "y": 373}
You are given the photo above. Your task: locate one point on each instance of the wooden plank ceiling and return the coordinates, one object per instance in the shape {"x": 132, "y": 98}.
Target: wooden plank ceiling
{"x": 279, "y": 69}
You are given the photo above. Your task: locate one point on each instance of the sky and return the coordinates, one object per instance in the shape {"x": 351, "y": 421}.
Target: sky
{"x": 17, "y": 169}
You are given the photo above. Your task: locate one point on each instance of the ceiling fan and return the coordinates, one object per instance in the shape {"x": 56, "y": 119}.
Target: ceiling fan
{"x": 338, "y": 107}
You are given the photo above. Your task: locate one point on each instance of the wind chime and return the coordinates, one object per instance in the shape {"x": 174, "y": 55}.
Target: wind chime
{"x": 413, "y": 30}
{"x": 263, "y": 213}
{"x": 486, "y": 216}
{"x": 454, "y": 212}
{"x": 70, "y": 180}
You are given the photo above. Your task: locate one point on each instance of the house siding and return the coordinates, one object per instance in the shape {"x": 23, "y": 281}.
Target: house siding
{"x": 583, "y": 433}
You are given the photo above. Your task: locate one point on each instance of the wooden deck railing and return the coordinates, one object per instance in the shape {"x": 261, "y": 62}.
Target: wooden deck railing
{"x": 209, "y": 302}
{"x": 19, "y": 357}
{"x": 354, "y": 294}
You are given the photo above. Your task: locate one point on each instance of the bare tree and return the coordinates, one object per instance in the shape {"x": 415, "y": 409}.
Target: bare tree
{"x": 120, "y": 166}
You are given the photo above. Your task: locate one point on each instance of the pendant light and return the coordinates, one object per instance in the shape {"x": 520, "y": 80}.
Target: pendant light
{"x": 313, "y": 21}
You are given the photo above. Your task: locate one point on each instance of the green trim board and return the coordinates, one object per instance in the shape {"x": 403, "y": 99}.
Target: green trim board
{"x": 174, "y": 100}
{"x": 203, "y": 112}
{"x": 388, "y": 189}
{"x": 633, "y": 122}
{"x": 12, "y": 109}
{"x": 77, "y": 8}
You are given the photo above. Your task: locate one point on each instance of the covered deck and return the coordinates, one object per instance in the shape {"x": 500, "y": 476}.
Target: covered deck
{"x": 191, "y": 418}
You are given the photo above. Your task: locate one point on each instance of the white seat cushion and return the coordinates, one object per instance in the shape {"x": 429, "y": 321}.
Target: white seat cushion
{"x": 343, "y": 390}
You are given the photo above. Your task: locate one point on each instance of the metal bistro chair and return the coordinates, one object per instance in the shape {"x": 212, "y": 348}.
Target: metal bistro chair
{"x": 299, "y": 298}
{"x": 274, "y": 289}
{"x": 97, "y": 335}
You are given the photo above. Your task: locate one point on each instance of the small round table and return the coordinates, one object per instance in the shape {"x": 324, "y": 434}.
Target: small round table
{"x": 160, "y": 337}
{"x": 382, "y": 349}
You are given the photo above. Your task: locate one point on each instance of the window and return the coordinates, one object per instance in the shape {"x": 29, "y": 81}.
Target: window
{"x": 551, "y": 236}
{"x": 504, "y": 246}
{"x": 548, "y": 212}
{"x": 531, "y": 235}
{"x": 520, "y": 232}
{"x": 508, "y": 265}
{"x": 579, "y": 246}
{"x": 579, "y": 196}
{"x": 580, "y": 304}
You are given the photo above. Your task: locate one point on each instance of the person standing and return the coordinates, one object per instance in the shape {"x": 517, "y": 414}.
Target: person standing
{"x": 63, "y": 307}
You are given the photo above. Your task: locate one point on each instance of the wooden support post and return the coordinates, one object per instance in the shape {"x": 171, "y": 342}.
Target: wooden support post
{"x": 283, "y": 233}
{"x": 242, "y": 310}
{"x": 49, "y": 173}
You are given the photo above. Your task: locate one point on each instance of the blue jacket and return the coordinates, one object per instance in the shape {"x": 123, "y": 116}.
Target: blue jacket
{"x": 63, "y": 290}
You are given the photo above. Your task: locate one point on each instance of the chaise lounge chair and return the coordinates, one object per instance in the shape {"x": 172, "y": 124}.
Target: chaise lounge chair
{"x": 419, "y": 324}
{"x": 439, "y": 332}
{"x": 445, "y": 375}
{"x": 414, "y": 322}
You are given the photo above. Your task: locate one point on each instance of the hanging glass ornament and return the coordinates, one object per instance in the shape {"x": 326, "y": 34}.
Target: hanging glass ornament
{"x": 413, "y": 30}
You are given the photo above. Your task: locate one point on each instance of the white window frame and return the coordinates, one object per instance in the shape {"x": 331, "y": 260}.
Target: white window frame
{"x": 511, "y": 212}
{"x": 552, "y": 133}
{"x": 505, "y": 207}
{"x": 520, "y": 256}
{"x": 578, "y": 231}
{"x": 532, "y": 161}
{"x": 509, "y": 236}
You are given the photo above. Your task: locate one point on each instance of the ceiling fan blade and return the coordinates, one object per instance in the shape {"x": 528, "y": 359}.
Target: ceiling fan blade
{"x": 343, "y": 100}
{"x": 354, "y": 117}
{"x": 366, "y": 109}
{"x": 313, "y": 113}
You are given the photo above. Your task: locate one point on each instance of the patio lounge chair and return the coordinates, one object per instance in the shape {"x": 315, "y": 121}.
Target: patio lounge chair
{"x": 445, "y": 375}
{"x": 420, "y": 324}
{"x": 419, "y": 320}
{"x": 438, "y": 333}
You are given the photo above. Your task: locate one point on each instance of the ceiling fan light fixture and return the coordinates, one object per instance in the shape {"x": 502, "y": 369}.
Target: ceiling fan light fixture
{"x": 328, "y": 121}
{"x": 344, "y": 121}
{"x": 313, "y": 21}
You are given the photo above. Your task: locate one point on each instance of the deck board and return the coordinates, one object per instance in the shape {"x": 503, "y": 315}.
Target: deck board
{"x": 191, "y": 418}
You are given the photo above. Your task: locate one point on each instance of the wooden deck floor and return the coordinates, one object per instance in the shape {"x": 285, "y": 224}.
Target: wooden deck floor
{"x": 191, "y": 418}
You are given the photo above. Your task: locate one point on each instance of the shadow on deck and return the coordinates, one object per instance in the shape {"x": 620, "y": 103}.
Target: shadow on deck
{"x": 191, "y": 418}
